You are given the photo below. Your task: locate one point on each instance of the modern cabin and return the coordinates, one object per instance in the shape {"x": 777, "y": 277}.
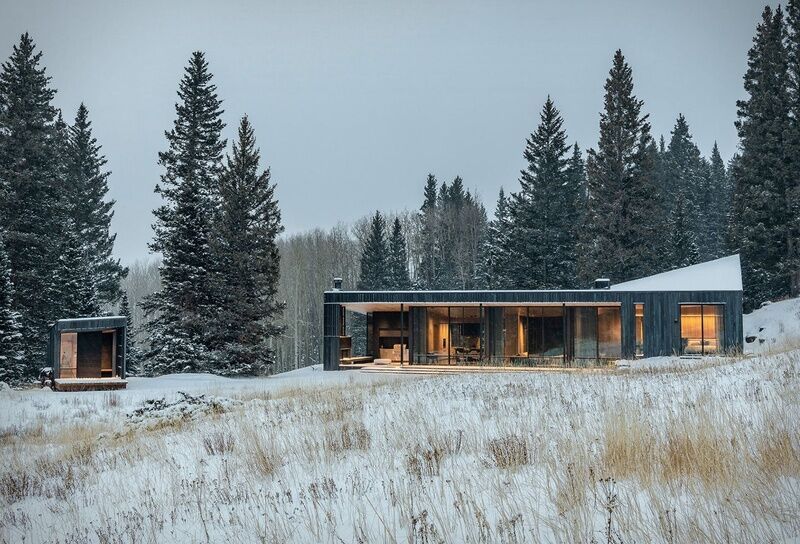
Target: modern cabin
{"x": 692, "y": 311}
{"x": 88, "y": 353}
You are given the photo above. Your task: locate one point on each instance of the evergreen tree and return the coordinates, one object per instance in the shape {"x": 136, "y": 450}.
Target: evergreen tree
{"x": 622, "y": 214}
{"x": 497, "y": 250}
{"x": 682, "y": 246}
{"x": 180, "y": 312}
{"x": 684, "y": 183}
{"x": 12, "y": 362}
{"x": 397, "y": 261}
{"x": 721, "y": 191}
{"x": 90, "y": 209}
{"x": 30, "y": 167}
{"x": 793, "y": 145}
{"x": 373, "y": 276}
{"x": 245, "y": 249}
{"x": 543, "y": 214}
{"x": 760, "y": 216}
{"x": 427, "y": 276}
{"x": 78, "y": 292}
{"x": 133, "y": 355}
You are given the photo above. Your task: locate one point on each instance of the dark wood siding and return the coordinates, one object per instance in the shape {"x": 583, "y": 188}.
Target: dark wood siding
{"x": 661, "y": 312}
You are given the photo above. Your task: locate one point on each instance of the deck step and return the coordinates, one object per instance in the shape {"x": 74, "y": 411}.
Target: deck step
{"x": 89, "y": 384}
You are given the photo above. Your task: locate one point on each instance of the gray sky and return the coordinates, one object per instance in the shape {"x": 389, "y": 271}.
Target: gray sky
{"x": 355, "y": 102}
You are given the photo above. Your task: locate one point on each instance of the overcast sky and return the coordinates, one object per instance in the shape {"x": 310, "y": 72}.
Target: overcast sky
{"x": 354, "y": 103}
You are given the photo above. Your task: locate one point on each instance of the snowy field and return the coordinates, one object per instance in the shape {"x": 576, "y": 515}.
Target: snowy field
{"x": 662, "y": 450}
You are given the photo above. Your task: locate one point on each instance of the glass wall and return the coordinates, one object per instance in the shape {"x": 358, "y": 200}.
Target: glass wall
{"x": 438, "y": 335}
{"x": 465, "y": 334}
{"x": 609, "y": 333}
{"x": 517, "y": 335}
{"x": 702, "y": 329}
{"x": 639, "y": 328}
{"x": 546, "y": 332}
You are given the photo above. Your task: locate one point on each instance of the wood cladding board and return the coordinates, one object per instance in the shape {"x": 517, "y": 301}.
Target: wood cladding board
{"x": 68, "y": 359}
{"x": 90, "y": 350}
{"x": 661, "y": 313}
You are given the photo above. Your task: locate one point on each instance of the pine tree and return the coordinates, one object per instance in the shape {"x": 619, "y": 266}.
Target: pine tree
{"x": 760, "y": 215}
{"x": 428, "y": 274}
{"x": 689, "y": 204}
{"x": 497, "y": 249}
{"x": 719, "y": 187}
{"x": 77, "y": 295}
{"x": 30, "y": 167}
{"x": 622, "y": 216}
{"x": 181, "y": 311}
{"x": 543, "y": 211}
{"x": 373, "y": 276}
{"x": 397, "y": 261}
{"x": 682, "y": 246}
{"x": 792, "y": 148}
{"x": 12, "y": 362}
{"x": 90, "y": 209}
{"x": 245, "y": 249}
{"x": 133, "y": 355}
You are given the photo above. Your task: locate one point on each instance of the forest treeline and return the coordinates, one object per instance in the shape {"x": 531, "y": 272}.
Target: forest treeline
{"x": 225, "y": 292}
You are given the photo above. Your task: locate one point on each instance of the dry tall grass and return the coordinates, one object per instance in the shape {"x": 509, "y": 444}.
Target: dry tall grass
{"x": 704, "y": 455}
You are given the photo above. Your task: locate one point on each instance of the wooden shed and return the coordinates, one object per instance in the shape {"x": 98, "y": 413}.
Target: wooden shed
{"x": 88, "y": 353}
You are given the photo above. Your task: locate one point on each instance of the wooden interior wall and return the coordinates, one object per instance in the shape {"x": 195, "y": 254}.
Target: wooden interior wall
{"x": 107, "y": 355}
{"x": 68, "y": 359}
{"x": 90, "y": 345}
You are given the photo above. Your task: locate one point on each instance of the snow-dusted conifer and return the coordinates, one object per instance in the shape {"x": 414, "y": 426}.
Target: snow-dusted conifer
{"x": 181, "y": 311}
{"x": 760, "y": 215}
{"x": 12, "y": 363}
{"x": 622, "y": 213}
{"x": 397, "y": 260}
{"x": 244, "y": 247}
{"x": 91, "y": 210}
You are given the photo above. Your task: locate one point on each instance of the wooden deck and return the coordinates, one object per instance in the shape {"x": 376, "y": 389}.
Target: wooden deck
{"x": 384, "y": 366}
{"x": 89, "y": 384}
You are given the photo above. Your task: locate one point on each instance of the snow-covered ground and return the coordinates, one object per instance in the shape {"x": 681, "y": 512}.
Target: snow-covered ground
{"x": 774, "y": 327}
{"x": 667, "y": 450}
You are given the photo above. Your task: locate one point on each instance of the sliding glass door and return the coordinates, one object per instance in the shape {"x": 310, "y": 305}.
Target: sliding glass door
{"x": 702, "y": 329}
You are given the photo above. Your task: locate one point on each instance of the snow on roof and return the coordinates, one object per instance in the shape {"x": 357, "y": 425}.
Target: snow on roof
{"x": 723, "y": 274}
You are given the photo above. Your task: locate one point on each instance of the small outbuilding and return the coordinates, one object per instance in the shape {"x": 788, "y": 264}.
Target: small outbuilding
{"x": 88, "y": 353}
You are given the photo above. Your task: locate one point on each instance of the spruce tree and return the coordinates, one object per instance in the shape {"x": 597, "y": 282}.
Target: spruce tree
{"x": 760, "y": 215}
{"x": 77, "y": 295}
{"x": 133, "y": 355}
{"x": 622, "y": 219}
{"x": 373, "y": 276}
{"x": 90, "y": 209}
{"x": 397, "y": 261}
{"x": 245, "y": 249}
{"x": 541, "y": 212}
{"x": 30, "y": 185}
{"x": 181, "y": 311}
{"x": 498, "y": 251}
{"x": 719, "y": 187}
{"x": 793, "y": 145}
{"x": 12, "y": 362}
{"x": 688, "y": 198}
{"x": 427, "y": 277}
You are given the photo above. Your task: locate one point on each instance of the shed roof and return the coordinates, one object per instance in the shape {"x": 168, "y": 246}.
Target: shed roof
{"x": 723, "y": 274}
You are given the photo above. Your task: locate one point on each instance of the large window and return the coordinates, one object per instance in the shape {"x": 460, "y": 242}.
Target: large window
{"x": 609, "y": 333}
{"x": 702, "y": 329}
{"x": 546, "y": 332}
{"x": 597, "y": 332}
{"x": 639, "y": 327}
{"x": 465, "y": 332}
{"x": 584, "y": 327}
